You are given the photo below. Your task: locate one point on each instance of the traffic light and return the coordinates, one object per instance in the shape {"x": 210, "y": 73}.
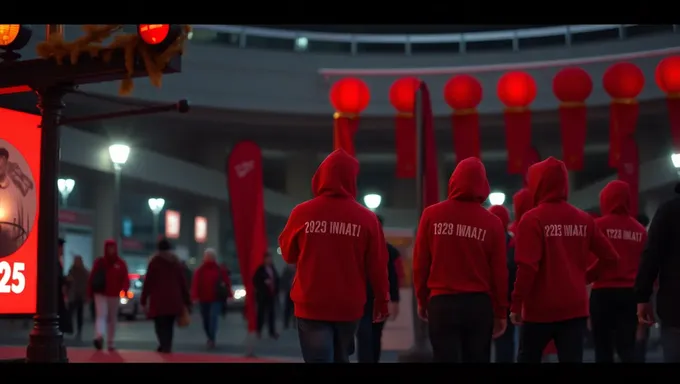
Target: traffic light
{"x": 159, "y": 36}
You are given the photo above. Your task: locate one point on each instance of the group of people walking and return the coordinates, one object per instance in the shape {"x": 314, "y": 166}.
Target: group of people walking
{"x": 477, "y": 275}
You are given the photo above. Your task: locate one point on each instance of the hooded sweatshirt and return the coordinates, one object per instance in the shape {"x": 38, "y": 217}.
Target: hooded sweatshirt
{"x": 115, "y": 269}
{"x": 165, "y": 291}
{"x": 460, "y": 246}
{"x": 624, "y": 232}
{"x": 335, "y": 243}
{"x": 553, "y": 243}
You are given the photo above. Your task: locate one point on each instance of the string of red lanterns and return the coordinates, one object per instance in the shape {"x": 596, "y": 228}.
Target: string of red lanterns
{"x": 572, "y": 86}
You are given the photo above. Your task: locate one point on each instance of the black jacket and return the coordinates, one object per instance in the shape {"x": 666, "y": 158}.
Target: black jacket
{"x": 393, "y": 278}
{"x": 512, "y": 267}
{"x": 661, "y": 259}
{"x": 262, "y": 291}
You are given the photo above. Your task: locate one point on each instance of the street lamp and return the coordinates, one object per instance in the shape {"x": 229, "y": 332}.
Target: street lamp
{"x": 497, "y": 198}
{"x": 119, "y": 155}
{"x": 65, "y": 187}
{"x": 156, "y": 205}
{"x": 372, "y": 201}
{"x": 675, "y": 158}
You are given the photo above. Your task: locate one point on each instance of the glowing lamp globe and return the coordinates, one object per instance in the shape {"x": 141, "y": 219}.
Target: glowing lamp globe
{"x": 403, "y": 94}
{"x": 463, "y": 92}
{"x": 14, "y": 36}
{"x": 497, "y": 198}
{"x": 372, "y": 201}
{"x": 516, "y": 89}
{"x": 572, "y": 85}
{"x": 623, "y": 81}
{"x": 675, "y": 159}
{"x": 159, "y": 36}
{"x": 668, "y": 75}
{"x": 350, "y": 96}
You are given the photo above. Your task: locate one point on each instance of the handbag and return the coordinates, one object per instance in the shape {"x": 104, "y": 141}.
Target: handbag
{"x": 184, "y": 319}
{"x": 98, "y": 284}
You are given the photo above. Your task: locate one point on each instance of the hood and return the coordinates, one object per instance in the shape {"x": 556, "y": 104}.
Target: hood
{"x": 615, "y": 198}
{"x": 107, "y": 244}
{"x": 336, "y": 176}
{"x": 502, "y": 213}
{"x": 521, "y": 203}
{"x": 548, "y": 181}
{"x": 468, "y": 181}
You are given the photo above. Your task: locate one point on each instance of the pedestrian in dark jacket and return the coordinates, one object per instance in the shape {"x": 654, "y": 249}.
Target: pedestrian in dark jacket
{"x": 211, "y": 288}
{"x": 78, "y": 277}
{"x": 65, "y": 321}
{"x": 505, "y": 344}
{"x": 369, "y": 334}
{"x": 661, "y": 260}
{"x": 165, "y": 295}
{"x": 266, "y": 282}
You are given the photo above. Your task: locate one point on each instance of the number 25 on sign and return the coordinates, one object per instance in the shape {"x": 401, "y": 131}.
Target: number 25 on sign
{"x": 12, "y": 278}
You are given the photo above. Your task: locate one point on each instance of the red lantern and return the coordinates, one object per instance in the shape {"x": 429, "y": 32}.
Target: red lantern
{"x": 349, "y": 97}
{"x": 517, "y": 90}
{"x": 572, "y": 86}
{"x": 463, "y": 93}
{"x": 668, "y": 80}
{"x": 623, "y": 82}
{"x": 403, "y": 98}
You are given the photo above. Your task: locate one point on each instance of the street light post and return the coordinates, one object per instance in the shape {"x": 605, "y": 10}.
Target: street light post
{"x": 65, "y": 187}
{"x": 156, "y": 205}
{"x": 119, "y": 154}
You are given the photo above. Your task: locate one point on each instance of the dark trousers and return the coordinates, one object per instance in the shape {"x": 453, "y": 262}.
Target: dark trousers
{"x": 670, "y": 342}
{"x": 288, "y": 310}
{"x": 326, "y": 341}
{"x": 164, "y": 327}
{"x": 265, "y": 314}
{"x": 460, "y": 328}
{"x": 641, "y": 346}
{"x": 77, "y": 308}
{"x": 369, "y": 340}
{"x": 210, "y": 315}
{"x": 613, "y": 318}
{"x": 568, "y": 336}
{"x": 506, "y": 348}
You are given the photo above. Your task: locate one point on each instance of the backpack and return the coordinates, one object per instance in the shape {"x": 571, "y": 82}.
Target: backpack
{"x": 98, "y": 284}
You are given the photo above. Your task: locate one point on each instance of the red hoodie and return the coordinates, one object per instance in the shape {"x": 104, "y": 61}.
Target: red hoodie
{"x": 204, "y": 283}
{"x": 460, "y": 246}
{"x": 625, "y": 233}
{"x": 502, "y": 213}
{"x": 553, "y": 243}
{"x": 336, "y": 243}
{"x": 117, "y": 278}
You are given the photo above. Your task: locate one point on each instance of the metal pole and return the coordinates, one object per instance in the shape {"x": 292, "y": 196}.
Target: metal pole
{"x": 116, "y": 205}
{"x": 46, "y": 342}
{"x": 64, "y": 200}
{"x": 419, "y": 352}
{"x": 155, "y": 227}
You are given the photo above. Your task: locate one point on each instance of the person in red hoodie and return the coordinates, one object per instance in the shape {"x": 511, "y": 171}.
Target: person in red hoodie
{"x": 613, "y": 305}
{"x": 335, "y": 243}
{"x": 109, "y": 277}
{"x": 459, "y": 269}
{"x": 554, "y": 240}
{"x": 211, "y": 288}
{"x": 165, "y": 295}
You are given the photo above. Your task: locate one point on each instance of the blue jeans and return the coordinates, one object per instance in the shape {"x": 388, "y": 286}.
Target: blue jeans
{"x": 210, "y": 313}
{"x": 369, "y": 339}
{"x": 326, "y": 341}
{"x": 670, "y": 342}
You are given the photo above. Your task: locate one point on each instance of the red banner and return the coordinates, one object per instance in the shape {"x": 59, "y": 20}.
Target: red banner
{"x": 405, "y": 142}
{"x": 344, "y": 129}
{"x": 623, "y": 119}
{"x": 674, "y": 118}
{"x": 19, "y": 190}
{"x": 573, "y": 126}
{"x": 430, "y": 172}
{"x": 530, "y": 158}
{"x": 518, "y": 138}
{"x": 246, "y": 197}
{"x": 465, "y": 125}
{"x": 629, "y": 171}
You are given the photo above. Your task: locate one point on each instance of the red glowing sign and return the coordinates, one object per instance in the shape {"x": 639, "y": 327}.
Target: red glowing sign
{"x": 154, "y": 34}
{"x": 20, "y": 185}
{"x": 172, "y": 224}
{"x": 200, "y": 229}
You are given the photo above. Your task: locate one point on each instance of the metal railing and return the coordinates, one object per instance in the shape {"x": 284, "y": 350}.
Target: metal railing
{"x": 300, "y": 40}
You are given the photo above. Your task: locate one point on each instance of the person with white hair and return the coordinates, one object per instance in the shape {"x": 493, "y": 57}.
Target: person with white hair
{"x": 211, "y": 288}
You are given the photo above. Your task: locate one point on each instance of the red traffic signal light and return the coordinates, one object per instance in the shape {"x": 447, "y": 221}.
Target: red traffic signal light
{"x": 159, "y": 36}
{"x": 14, "y": 36}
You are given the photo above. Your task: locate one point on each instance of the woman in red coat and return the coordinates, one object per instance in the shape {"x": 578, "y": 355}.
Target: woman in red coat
{"x": 108, "y": 279}
{"x": 165, "y": 295}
